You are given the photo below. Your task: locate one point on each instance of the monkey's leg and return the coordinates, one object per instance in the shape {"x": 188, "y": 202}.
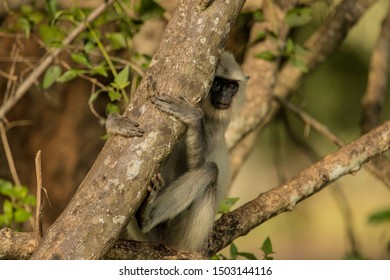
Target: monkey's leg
{"x": 123, "y": 126}
{"x": 193, "y": 118}
{"x": 156, "y": 184}
{"x": 178, "y": 196}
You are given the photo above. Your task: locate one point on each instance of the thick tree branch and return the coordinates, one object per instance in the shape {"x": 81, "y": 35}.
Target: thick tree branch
{"x": 240, "y": 221}
{"x": 116, "y": 184}
{"x": 21, "y": 245}
{"x": 284, "y": 198}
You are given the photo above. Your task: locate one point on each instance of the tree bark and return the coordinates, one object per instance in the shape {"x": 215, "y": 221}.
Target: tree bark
{"x": 347, "y": 160}
{"x": 116, "y": 184}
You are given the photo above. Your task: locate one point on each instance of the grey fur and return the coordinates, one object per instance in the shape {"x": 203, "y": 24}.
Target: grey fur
{"x": 181, "y": 213}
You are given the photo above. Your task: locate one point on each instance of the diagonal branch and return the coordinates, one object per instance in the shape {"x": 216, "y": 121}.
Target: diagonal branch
{"x": 284, "y": 198}
{"x": 116, "y": 184}
{"x": 371, "y": 166}
{"x": 240, "y": 221}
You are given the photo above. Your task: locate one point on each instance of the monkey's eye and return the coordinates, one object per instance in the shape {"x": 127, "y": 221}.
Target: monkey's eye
{"x": 232, "y": 86}
{"x": 217, "y": 84}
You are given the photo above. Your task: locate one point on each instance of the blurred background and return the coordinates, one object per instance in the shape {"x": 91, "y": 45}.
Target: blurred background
{"x": 332, "y": 224}
{"x": 318, "y": 227}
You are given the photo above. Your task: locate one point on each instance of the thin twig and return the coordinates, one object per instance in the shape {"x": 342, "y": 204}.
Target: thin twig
{"x": 312, "y": 122}
{"x": 49, "y": 58}
{"x": 39, "y": 206}
{"x": 8, "y": 155}
{"x": 378, "y": 170}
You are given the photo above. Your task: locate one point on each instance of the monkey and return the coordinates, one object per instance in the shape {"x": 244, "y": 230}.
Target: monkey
{"x": 183, "y": 198}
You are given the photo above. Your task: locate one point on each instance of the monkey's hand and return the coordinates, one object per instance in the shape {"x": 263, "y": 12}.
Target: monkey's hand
{"x": 156, "y": 184}
{"x": 123, "y": 126}
{"x": 193, "y": 118}
{"x": 178, "y": 108}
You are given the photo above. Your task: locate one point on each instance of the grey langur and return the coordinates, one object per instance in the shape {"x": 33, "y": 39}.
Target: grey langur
{"x": 182, "y": 203}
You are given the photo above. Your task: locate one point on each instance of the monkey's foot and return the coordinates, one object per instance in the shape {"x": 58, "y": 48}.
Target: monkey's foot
{"x": 179, "y": 108}
{"x": 123, "y": 126}
{"x": 144, "y": 212}
{"x": 156, "y": 184}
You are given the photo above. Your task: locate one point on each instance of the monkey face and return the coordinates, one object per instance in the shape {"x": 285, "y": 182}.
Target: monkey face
{"x": 222, "y": 92}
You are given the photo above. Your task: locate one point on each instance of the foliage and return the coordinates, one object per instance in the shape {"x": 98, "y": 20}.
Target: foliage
{"x": 17, "y": 200}
{"x": 94, "y": 53}
{"x": 381, "y": 217}
{"x": 266, "y": 249}
{"x": 291, "y": 51}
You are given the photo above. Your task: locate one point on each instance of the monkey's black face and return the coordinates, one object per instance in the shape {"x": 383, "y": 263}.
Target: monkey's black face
{"x": 222, "y": 92}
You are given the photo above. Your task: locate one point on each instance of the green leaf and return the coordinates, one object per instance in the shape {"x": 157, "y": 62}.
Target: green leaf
{"x": 149, "y": 9}
{"x": 51, "y": 35}
{"x": 248, "y": 256}
{"x": 258, "y": 16}
{"x": 380, "y": 217}
{"x": 290, "y": 47}
{"x": 6, "y": 187}
{"x": 300, "y": 64}
{"x": 266, "y": 55}
{"x": 81, "y": 58}
{"x": 7, "y": 208}
{"x": 100, "y": 69}
{"x": 260, "y": 36}
{"x": 51, "y": 7}
{"x": 298, "y": 16}
{"x": 21, "y": 215}
{"x": 4, "y": 221}
{"x": 89, "y": 46}
{"x": 122, "y": 79}
{"x": 51, "y": 75}
{"x": 70, "y": 75}
{"x": 117, "y": 40}
{"x": 29, "y": 200}
{"x": 233, "y": 251}
{"x": 114, "y": 95}
{"x": 267, "y": 249}
{"x": 20, "y": 192}
{"x": 227, "y": 204}
{"x": 25, "y": 26}
{"x": 112, "y": 108}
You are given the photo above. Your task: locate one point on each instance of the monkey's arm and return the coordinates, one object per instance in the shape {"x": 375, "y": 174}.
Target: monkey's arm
{"x": 178, "y": 196}
{"x": 193, "y": 118}
{"x": 119, "y": 125}
{"x": 201, "y": 175}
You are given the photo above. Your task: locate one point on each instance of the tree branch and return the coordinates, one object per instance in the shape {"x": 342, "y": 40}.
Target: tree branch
{"x": 373, "y": 166}
{"x": 284, "y": 198}
{"x": 21, "y": 245}
{"x": 377, "y": 79}
{"x": 376, "y": 92}
{"x": 116, "y": 184}
{"x": 232, "y": 225}
{"x": 262, "y": 78}
{"x": 320, "y": 45}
